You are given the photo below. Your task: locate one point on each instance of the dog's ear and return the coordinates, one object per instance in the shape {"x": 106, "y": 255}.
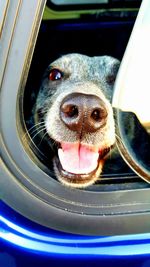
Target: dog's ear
{"x": 111, "y": 69}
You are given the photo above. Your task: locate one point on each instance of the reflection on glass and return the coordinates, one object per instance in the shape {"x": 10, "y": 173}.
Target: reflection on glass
{"x": 132, "y": 96}
{"x": 79, "y": 2}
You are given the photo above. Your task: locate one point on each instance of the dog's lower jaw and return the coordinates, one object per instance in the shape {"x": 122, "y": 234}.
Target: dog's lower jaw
{"x": 77, "y": 180}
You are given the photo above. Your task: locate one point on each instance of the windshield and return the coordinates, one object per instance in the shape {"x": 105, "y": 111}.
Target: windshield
{"x": 106, "y": 3}
{"x": 66, "y": 2}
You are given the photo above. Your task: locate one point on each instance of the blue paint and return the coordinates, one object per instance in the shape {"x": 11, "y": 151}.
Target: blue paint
{"x": 19, "y": 235}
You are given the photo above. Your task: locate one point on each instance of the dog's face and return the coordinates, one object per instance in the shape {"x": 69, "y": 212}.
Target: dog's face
{"x": 74, "y": 104}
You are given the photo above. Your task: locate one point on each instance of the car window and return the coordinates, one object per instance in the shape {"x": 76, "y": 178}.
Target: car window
{"x": 114, "y": 202}
{"x": 74, "y": 37}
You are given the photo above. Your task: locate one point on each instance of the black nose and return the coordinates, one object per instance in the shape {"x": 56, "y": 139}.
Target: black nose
{"x": 81, "y": 112}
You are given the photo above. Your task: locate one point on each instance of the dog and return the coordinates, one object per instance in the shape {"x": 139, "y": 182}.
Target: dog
{"x": 74, "y": 112}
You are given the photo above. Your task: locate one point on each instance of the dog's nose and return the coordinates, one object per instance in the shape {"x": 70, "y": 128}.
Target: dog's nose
{"x": 81, "y": 112}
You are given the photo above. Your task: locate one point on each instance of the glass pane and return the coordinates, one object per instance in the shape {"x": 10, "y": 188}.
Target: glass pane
{"x": 70, "y": 2}
{"x": 132, "y": 97}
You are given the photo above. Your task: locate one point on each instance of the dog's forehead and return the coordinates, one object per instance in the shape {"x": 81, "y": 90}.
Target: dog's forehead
{"x": 84, "y": 66}
{"x": 73, "y": 63}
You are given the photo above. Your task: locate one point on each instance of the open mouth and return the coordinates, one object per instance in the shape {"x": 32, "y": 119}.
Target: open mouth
{"x": 79, "y": 165}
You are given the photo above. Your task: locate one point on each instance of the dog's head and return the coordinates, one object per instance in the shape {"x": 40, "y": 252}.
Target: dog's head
{"x": 74, "y": 105}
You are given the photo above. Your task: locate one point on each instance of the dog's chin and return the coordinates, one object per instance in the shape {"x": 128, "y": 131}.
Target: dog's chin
{"x": 77, "y": 180}
{"x": 80, "y": 178}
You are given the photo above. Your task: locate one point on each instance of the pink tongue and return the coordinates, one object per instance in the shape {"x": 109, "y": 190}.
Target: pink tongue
{"x": 77, "y": 158}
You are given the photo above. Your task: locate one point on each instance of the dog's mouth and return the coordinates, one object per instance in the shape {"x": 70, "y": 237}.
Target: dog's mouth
{"x": 79, "y": 165}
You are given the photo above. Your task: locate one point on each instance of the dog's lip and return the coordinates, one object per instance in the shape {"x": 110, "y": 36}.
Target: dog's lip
{"x": 73, "y": 178}
{"x": 103, "y": 153}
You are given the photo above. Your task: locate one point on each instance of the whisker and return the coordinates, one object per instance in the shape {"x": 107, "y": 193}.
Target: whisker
{"x": 42, "y": 111}
{"x": 32, "y": 142}
{"x": 38, "y": 133}
{"x": 37, "y": 124}
{"x": 33, "y": 129}
{"x": 42, "y": 138}
{"x": 110, "y": 153}
{"x": 118, "y": 138}
{"x": 52, "y": 143}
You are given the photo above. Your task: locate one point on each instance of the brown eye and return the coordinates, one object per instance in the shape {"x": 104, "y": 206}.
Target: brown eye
{"x": 55, "y": 75}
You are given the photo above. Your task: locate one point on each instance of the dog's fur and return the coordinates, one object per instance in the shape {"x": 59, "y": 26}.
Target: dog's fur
{"x": 86, "y": 77}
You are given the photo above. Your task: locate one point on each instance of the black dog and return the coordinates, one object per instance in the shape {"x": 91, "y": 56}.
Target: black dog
{"x": 74, "y": 107}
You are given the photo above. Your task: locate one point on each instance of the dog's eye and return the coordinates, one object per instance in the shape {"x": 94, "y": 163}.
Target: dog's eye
{"x": 55, "y": 75}
{"x": 110, "y": 79}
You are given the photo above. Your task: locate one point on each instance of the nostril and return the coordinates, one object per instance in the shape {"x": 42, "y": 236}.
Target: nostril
{"x": 98, "y": 114}
{"x": 70, "y": 115}
{"x": 70, "y": 111}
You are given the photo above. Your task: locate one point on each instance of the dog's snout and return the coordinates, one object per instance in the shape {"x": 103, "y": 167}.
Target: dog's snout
{"x": 81, "y": 112}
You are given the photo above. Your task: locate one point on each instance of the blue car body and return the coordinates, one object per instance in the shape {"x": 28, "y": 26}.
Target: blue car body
{"x": 24, "y": 243}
